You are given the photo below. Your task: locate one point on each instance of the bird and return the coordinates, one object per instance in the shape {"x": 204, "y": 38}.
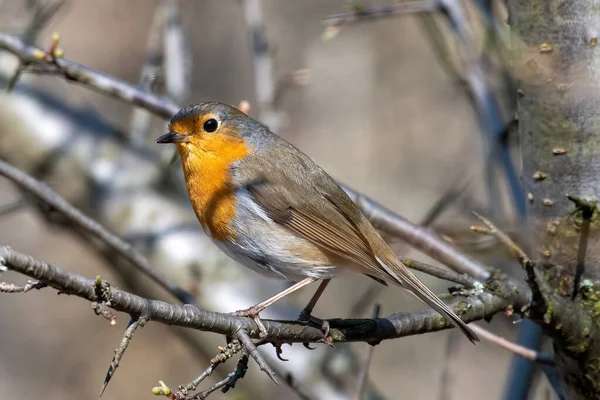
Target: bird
{"x": 271, "y": 208}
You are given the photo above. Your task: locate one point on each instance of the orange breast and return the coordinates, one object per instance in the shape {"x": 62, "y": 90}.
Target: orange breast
{"x": 206, "y": 165}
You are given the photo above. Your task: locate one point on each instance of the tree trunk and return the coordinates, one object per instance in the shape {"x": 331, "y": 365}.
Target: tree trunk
{"x": 556, "y": 61}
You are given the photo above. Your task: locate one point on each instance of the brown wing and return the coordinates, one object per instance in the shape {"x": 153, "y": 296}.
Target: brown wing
{"x": 296, "y": 193}
{"x": 291, "y": 198}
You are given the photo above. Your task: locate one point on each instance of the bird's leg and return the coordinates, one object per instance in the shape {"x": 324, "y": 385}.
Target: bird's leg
{"x": 305, "y": 315}
{"x": 254, "y": 311}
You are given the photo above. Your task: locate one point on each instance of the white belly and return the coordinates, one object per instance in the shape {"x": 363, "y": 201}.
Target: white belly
{"x": 268, "y": 248}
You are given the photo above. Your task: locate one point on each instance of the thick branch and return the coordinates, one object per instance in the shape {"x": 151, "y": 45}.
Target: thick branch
{"x": 351, "y": 330}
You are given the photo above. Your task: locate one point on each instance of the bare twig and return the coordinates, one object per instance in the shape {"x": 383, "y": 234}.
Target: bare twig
{"x": 250, "y": 347}
{"x": 529, "y": 354}
{"x": 369, "y": 13}
{"x": 12, "y": 288}
{"x": 587, "y": 210}
{"x": 120, "y": 351}
{"x": 52, "y": 199}
{"x": 364, "y": 371}
{"x": 228, "y": 382}
{"x": 537, "y": 285}
{"x": 440, "y": 272}
{"x": 356, "y": 330}
{"x": 226, "y": 353}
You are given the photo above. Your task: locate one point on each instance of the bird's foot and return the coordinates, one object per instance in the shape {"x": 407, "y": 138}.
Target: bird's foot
{"x": 253, "y": 312}
{"x": 305, "y": 316}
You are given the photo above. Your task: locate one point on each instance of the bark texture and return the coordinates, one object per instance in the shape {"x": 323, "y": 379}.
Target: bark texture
{"x": 557, "y": 60}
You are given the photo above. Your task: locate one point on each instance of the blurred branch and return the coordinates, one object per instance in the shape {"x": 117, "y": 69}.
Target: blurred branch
{"x": 71, "y": 71}
{"x": 49, "y": 197}
{"x": 363, "y": 375}
{"x": 140, "y": 118}
{"x": 368, "y": 13}
{"x": 397, "y": 325}
{"x": 6, "y": 287}
{"x": 264, "y": 84}
{"x": 12, "y": 207}
{"x": 513, "y": 347}
{"x": 177, "y": 55}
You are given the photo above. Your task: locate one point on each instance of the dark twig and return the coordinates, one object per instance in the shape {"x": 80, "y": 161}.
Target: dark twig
{"x": 369, "y": 13}
{"x": 529, "y": 354}
{"x": 473, "y": 308}
{"x": 364, "y": 371}
{"x": 6, "y": 287}
{"x": 226, "y": 353}
{"x": 229, "y": 381}
{"x": 52, "y": 199}
{"x": 587, "y": 209}
{"x": 250, "y": 347}
{"x": 120, "y": 351}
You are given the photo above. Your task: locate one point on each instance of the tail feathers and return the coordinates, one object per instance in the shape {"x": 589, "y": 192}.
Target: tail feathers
{"x": 405, "y": 278}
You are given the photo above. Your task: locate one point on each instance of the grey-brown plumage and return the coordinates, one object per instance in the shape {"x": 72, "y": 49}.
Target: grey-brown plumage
{"x": 291, "y": 220}
{"x": 298, "y": 194}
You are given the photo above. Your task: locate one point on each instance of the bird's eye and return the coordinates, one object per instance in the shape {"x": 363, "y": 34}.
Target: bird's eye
{"x": 211, "y": 125}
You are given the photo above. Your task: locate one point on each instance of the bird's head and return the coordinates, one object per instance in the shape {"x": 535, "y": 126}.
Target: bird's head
{"x": 208, "y": 127}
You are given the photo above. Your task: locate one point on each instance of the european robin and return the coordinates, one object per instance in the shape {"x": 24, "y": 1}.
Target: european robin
{"x": 272, "y": 209}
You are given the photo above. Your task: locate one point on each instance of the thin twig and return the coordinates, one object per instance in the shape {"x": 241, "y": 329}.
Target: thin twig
{"x": 232, "y": 348}
{"x": 6, "y": 287}
{"x": 587, "y": 210}
{"x": 375, "y": 12}
{"x": 364, "y": 371}
{"x": 473, "y": 308}
{"x": 228, "y": 382}
{"x": 134, "y": 323}
{"x": 440, "y": 272}
{"x": 250, "y": 347}
{"x": 537, "y": 285}
{"x": 529, "y": 354}
{"x": 52, "y": 199}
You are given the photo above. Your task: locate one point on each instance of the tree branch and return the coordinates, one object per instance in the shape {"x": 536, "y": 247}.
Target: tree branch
{"x": 485, "y": 305}
{"x": 51, "y": 198}
{"x": 368, "y": 13}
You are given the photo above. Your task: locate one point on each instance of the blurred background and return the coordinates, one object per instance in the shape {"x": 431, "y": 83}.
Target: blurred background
{"x": 375, "y": 103}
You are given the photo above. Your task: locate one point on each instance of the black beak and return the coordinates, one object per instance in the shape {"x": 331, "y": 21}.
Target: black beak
{"x": 171, "y": 137}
